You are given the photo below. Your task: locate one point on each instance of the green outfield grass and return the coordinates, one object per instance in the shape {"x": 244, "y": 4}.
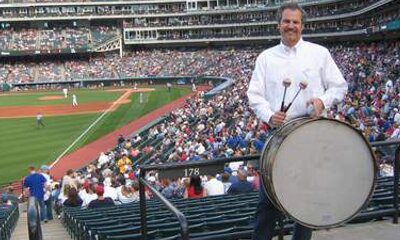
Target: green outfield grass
{"x": 32, "y": 99}
{"x": 22, "y": 144}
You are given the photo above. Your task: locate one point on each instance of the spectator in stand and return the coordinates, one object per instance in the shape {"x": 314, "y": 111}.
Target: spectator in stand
{"x": 34, "y": 185}
{"x": 55, "y": 193}
{"x": 195, "y": 189}
{"x": 225, "y": 181}
{"x": 170, "y": 189}
{"x": 213, "y": 186}
{"x": 69, "y": 180}
{"x": 396, "y": 117}
{"x": 8, "y": 195}
{"x": 101, "y": 201}
{"x": 120, "y": 141}
{"x": 128, "y": 193}
{"x": 88, "y": 193}
{"x": 242, "y": 185}
{"x": 73, "y": 199}
{"x": 45, "y": 170}
{"x": 124, "y": 164}
{"x": 253, "y": 173}
{"x": 103, "y": 159}
{"x": 109, "y": 189}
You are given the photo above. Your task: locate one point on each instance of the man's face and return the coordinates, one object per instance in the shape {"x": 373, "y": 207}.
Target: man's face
{"x": 290, "y": 27}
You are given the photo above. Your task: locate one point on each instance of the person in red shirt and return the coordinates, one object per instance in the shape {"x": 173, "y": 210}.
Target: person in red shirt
{"x": 195, "y": 189}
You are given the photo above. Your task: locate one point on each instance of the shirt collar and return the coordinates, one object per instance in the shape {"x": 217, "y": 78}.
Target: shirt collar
{"x": 294, "y": 48}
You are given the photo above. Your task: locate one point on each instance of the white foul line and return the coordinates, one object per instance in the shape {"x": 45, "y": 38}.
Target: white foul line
{"x": 90, "y": 127}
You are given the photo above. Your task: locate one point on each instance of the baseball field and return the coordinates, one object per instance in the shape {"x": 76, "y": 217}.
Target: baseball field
{"x": 24, "y": 142}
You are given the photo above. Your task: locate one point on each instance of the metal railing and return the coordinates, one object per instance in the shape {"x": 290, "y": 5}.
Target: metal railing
{"x": 396, "y": 172}
{"x": 8, "y": 223}
{"x": 182, "y": 169}
{"x": 181, "y": 217}
{"x": 34, "y": 227}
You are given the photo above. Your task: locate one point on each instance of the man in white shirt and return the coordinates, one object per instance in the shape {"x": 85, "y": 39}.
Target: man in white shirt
{"x": 45, "y": 171}
{"x": 109, "y": 190}
{"x": 299, "y": 61}
{"x": 213, "y": 186}
{"x": 103, "y": 159}
{"x": 396, "y": 132}
{"x": 396, "y": 117}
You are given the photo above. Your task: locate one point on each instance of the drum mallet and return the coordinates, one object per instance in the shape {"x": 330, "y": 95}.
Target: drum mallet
{"x": 302, "y": 86}
{"x": 286, "y": 83}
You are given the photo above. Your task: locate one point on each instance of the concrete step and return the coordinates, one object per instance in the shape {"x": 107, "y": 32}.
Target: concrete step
{"x": 52, "y": 230}
{"x": 379, "y": 230}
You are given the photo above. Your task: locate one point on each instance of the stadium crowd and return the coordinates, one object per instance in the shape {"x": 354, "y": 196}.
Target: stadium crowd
{"x": 55, "y": 38}
{"x": 204, "y": 129}
{"x": 242, "y": 17}
{"x": 58, "y": 37}
{"x": 223, "y": 126}
{"x": 90, "y": 10}
{"x": 373, "y": 87}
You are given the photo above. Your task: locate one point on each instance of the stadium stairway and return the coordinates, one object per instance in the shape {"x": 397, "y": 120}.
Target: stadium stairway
{"x": 51, "y": 231}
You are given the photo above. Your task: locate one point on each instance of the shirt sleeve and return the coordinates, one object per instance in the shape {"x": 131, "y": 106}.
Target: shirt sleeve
{"x": 334, "y": 83}
{"x": 43, "y": 179}
{"x": 256, "y": 92}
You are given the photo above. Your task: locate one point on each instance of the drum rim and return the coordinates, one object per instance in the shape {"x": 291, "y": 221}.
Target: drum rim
{"x": 267, "y": 173}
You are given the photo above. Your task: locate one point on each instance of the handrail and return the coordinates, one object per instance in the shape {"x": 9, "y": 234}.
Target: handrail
{"x": 385, "y": 143}
{"x": 9, "y": 222}
{"x": 199, "y": 163}
{"x": 396, "y": 168}
{"x": 34, "y": 227}
{"x": 396, "y": 173}
{"x": 396, "y": 186}
{"x": 181, "y": 217}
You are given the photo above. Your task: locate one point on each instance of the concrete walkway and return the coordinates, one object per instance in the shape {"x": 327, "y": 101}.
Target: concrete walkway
{"x": 380, "y": 230}
{"x": 52, "y": 230}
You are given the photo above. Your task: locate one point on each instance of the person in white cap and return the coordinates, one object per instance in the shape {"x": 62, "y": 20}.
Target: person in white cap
{"x": 45, "y": 171}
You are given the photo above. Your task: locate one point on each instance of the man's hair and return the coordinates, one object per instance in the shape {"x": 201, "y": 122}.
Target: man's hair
{"x": 292, "y": 6}
{"x": 70, "y": 171}
{"x": 242, "y": 174}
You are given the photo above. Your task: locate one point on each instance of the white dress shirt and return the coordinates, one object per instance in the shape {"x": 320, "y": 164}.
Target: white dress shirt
{"x": 214, "y": 187}
{"x": 396, "y": 118}
{"x": 304, "y": 62}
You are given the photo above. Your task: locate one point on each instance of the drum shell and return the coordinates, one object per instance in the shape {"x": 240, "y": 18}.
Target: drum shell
{"x": 268, "y": 159}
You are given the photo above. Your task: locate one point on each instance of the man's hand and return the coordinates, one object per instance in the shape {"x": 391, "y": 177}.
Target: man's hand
{"x": 318, "y": 106}
{"x": 278, "y": 118}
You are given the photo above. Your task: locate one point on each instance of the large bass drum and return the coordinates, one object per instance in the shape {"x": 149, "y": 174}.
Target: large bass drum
{"x": 320, "y": 172}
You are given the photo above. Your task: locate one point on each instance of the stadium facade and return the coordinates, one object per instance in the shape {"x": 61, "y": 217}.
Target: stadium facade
{"x": 73, "y": 29}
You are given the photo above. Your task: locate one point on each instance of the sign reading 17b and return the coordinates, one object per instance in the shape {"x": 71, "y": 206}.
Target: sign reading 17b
{"x": 186, "y": 171}
{"x": 191, "y": 172}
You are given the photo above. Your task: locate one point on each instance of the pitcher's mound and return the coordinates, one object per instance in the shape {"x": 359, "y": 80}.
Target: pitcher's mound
{"x": 47, "y": 98}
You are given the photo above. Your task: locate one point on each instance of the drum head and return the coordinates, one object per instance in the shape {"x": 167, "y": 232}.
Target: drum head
{"x": 323, "y": 173}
